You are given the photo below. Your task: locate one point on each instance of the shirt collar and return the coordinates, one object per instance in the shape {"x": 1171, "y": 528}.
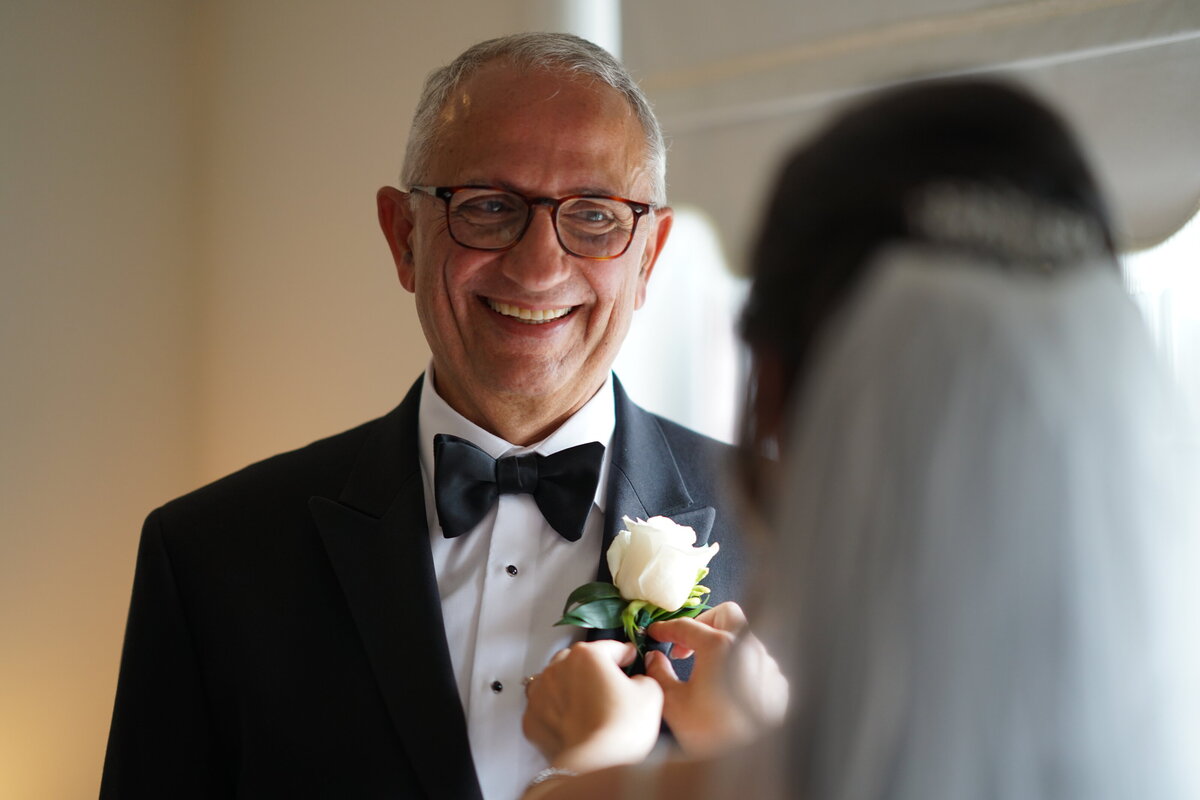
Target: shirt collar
{"x": 593, "y": 422}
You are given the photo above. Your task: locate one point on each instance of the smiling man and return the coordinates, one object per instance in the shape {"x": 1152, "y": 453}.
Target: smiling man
{"x": 354, "y": 619}
{"x": 527, "y": 266}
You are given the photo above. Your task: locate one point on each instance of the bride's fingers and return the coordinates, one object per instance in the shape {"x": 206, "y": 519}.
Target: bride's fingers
{"x": 659, "y": 667}
{"x": 621, "y": 653}
{"x": 727, "y": 616}
{"x": 690, "y": 635}
{"x": 651, "y": 691}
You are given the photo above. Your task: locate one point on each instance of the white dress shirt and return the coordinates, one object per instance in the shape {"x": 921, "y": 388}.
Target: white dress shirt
{"x": 503, "y": 585}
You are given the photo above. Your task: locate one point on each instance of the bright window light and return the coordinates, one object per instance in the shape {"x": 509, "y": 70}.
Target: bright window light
{"x": 1165, "y": 282}
{"x": 682, "y": 358}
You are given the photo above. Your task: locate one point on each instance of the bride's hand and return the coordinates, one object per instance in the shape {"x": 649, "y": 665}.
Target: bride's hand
{"x": 735, "y": 686}
{"x": 584, "y": 713}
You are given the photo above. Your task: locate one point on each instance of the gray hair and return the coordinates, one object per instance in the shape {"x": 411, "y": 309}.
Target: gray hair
{"x": 554, "y": 51}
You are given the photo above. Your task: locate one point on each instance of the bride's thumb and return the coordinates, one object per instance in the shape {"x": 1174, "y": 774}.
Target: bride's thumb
{"x": 659, "y": 667}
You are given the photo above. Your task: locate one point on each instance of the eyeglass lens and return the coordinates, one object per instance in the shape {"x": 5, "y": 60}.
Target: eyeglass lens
{"x": 594, "y": 227}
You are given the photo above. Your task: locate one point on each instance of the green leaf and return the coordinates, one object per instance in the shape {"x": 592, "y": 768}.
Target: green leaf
{"x": 685, "y": 612}
{"x": 644, "y": 616}
{"x": 604, "y": 613}
{"x": 693, "y": 612}
{"x": 656, "y": 614}
{"x": 590, "y": 592}
{"x": 628, "y": 617}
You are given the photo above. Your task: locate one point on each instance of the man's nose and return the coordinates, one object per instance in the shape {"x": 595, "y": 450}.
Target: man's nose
{"x": 538, "y": 262}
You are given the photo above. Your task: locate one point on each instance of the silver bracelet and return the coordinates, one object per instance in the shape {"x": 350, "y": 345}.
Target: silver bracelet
{"x": 548, "y": 773}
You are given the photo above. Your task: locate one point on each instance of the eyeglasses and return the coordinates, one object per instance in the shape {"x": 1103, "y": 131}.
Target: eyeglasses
{"x": 490, "y": 218}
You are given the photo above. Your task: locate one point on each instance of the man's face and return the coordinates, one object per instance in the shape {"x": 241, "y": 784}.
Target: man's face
{"x": 541, "y": 135}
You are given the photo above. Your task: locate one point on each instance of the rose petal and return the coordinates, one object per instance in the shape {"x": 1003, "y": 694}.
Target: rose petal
{"x": 668, "y": 579}
{"x": 654, "y": 560}
{"x": 665, "y": 530}
{"x": 616, "y": 553}
{"x": 638, "y": 553}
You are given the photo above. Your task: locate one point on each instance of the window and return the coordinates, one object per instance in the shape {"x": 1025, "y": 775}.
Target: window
{"x": 683, "y": 358}
{"x": 1165, "y": 282}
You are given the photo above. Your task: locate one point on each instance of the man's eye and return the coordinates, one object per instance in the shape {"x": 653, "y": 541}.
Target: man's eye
{"x": 592, "y": 217}
{"x": 489, "y": 206}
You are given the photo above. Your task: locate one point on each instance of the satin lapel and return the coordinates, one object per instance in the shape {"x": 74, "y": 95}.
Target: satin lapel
{"x": 644, "y": 479}
{"x": 377, "y": 538}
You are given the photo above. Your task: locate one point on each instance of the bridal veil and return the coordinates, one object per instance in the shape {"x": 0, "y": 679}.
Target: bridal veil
{"x": 988, "y": 535}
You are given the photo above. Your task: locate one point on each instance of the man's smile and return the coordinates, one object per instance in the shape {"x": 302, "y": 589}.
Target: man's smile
{"x": 532, "y": 316}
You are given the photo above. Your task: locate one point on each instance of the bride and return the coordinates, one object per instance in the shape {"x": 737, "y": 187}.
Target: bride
{"x": 983, "y": 559}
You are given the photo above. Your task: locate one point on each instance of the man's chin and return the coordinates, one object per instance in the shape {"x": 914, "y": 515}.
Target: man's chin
{"x": 550, "y": 388}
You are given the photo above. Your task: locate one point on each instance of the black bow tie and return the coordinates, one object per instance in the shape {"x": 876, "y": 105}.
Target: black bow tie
{"x": 467, "y": 482}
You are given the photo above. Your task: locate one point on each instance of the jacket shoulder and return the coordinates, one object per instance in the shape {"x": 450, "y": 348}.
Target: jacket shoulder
{"x": 704, "y": 462}
{"x": 286, "y": 479}
{"x": 684, "y": 439}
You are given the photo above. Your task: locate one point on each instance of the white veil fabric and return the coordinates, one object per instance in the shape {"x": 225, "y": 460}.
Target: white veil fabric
{"x": 989, "y": 544}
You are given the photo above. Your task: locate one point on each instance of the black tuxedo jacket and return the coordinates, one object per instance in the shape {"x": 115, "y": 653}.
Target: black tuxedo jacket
{"x": 285, "y": 636}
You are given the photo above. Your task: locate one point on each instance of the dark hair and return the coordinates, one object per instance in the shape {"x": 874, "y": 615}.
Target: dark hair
{"x": 848, "y": 193}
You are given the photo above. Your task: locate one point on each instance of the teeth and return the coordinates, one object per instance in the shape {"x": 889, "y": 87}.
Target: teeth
{"x": 531, "y": 315}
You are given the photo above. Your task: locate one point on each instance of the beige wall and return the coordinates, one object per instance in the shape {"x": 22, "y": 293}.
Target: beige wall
{"x": 192, "y": 279}
{"x": 306, "y": 330}
{"x": 98, "y": 357}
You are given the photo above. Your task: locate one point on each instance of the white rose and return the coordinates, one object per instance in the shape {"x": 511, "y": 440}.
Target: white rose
{"x": 654, "y": 560}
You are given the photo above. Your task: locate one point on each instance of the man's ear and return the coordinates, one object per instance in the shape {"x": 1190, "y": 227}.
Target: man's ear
{"x": 396, "y": 220}
{"x": 664, "y": 218}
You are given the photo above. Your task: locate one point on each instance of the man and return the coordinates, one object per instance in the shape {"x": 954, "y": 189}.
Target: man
{"x": 337, "y": 622}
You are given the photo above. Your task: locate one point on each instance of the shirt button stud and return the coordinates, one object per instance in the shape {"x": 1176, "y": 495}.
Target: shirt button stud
{"x": 511, "y": 569}
{"x": 497, "y": 687}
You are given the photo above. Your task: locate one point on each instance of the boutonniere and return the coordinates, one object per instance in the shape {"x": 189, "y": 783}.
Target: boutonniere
{"x": 656, "y": 572}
